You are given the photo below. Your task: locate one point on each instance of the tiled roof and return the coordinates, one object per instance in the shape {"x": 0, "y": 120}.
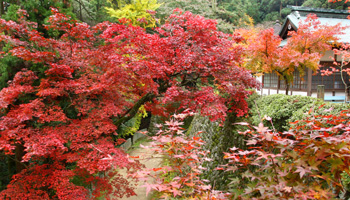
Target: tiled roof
{"x": 318, "y": 10}
{"x": 325, "y": 16}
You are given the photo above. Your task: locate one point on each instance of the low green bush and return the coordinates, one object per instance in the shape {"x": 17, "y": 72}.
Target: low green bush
{"x": 280, "y": 108}
{"x": 284, "y": 109}
{"x": 314, "y": 109}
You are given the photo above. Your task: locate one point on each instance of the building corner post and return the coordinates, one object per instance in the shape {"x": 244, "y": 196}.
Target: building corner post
{"x": 309, "y": 81}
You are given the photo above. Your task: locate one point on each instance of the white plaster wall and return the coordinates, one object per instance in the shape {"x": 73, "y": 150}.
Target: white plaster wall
{"x": 259, "y": 78}
{"x": 264, "y": 92}
{"x": 282, "y": 91}
{"x": 328, "y": 56}
{"x": 300, "y": 93}
{"x": 314, "y": 94}
{"x": 337, "y": 94}
{"x": 328, "y": 94}
{"x": 273, "y": 91}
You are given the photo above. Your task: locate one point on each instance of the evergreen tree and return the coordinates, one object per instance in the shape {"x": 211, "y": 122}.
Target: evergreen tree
{"x": 271, "y": 10}
{"x": 326, "y": 4}
{"x": 227, "y": 16}
{"x": 38, "y": 12}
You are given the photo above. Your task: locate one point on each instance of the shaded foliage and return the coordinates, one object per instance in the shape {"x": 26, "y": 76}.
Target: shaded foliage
{"x": 218, "y": 139}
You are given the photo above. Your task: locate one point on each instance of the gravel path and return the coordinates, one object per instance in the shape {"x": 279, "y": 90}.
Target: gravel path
{"x": 146, "y": 158}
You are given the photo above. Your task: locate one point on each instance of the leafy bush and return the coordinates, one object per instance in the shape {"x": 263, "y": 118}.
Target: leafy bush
{"x": 284, "y": 109}
{"x": 184, "y": 156}
{"x": 306, "y": 162}
{"x": 280, "y": 108}
{"x": 139, "y": 12}
{"x": 127, "y": 129}
{"x": 218, "y": 139}
{"x": 346, "y": 184}
{"x": 309, "y": 161}
{"x": 316, "y": 108}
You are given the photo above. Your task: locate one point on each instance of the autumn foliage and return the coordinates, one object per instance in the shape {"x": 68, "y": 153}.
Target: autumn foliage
{"x": 304, "y": 163}
{"x": 302, "y": 51}
{"x": 183, "y": 157}
{"x": 310, "y": 161}
{"x": 59, "y": 115}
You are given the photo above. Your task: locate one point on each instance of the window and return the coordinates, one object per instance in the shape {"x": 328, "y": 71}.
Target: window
{"x": 272, "y": 80}
{"x": 331, "y": 82}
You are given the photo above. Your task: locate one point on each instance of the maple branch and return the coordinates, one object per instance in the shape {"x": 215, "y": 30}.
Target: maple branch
{"x": 163, "y": 86}
{"x": 133, "y": 111}
{"x": 274, "y": 168}
{"x": 17, "y": 161}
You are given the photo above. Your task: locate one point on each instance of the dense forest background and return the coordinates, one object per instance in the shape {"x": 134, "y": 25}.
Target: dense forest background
{"x": 229, "y": 13}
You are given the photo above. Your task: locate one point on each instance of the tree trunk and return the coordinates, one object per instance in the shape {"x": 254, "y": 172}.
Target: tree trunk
{"x": 281, "y": 8}
{"x": 2, "y": 9}
{"x": 132, "y": 112}
{"x": 97, "y": 10}
{"x": 66, "y": 4}
{"x": 346, "y": 93}
{"x": 287, "y": 87}
{"x": 19, "y": 153}
{"x": 80, "y": 11}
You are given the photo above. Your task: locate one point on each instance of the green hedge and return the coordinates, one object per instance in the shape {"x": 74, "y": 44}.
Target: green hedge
{"x": 284, "y": 109}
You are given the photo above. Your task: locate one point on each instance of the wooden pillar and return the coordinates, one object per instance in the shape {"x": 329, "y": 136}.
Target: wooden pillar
{"x": 262, "y": 84}
{"x": 320, "y": 92}
{"x": 309, "y": 82}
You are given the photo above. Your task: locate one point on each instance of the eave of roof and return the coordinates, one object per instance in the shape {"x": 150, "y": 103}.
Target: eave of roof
{"x": 283, "y": 42}
{"x": 318, "y": 10}
{"x": 294, "y": 18}
{"x": 284, "y": 30}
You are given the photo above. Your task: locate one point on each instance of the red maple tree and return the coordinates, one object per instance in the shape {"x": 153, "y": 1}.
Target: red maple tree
{"x": 59, "y": 115}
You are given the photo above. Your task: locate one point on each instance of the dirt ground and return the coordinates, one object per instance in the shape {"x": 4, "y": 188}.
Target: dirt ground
{"x": 147, "y": 158}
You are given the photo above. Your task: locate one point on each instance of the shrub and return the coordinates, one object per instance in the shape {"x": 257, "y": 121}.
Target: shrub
{"x": 314, "y": 109}
{"x": 219, "y": 139}
{"x": 306, "y": 162}
{"x": 280, "y": 108}
{"x": 180, "y": 177}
